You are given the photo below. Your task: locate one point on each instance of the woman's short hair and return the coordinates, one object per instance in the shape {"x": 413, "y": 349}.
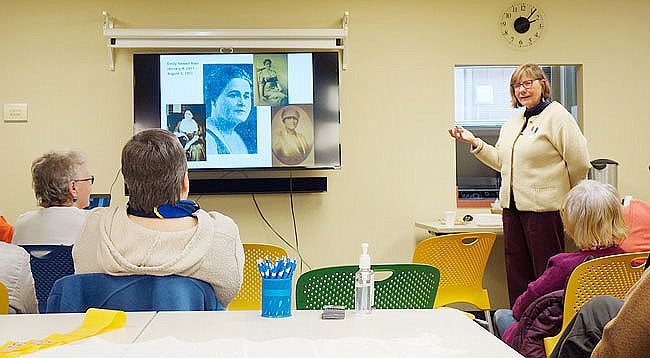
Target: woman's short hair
{"x": 267, "y": 60}
{"x": 153, "y": 166}
{"x": 592, "y": 215}
{"x": 52, "y": 174}
{"x": 531, "y": 71}
{"x": 218, "y": 77}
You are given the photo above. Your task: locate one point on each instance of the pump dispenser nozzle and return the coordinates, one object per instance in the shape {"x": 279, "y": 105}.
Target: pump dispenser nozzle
{"x": 364, "y": 258}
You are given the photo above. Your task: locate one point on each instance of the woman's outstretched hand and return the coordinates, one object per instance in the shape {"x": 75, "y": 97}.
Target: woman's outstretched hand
{"x": 463, "y": 135}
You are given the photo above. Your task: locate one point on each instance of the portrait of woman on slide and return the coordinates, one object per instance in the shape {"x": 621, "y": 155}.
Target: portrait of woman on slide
{"x": 231, "y": 119}
{"x": 190, "y": 134}
{"x": 271, "y": 91}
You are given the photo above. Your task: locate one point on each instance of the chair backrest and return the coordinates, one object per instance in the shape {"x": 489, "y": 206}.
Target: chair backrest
{"x": 250, "y": 293}
{"x": 461, "y": 259}
{"x": 4, "y": 299}
{"x": 609, "y": 275}
{"x": 407, "y": 286}
{"x": 48, "y": 263}
{"x": 77, "y": 293}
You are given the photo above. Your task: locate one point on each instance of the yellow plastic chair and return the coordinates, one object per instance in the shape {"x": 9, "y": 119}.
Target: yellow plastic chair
{"x": 610, "y": 275}
{"x": 4, "y": 299}
{"x": 250, "y": 294}
{"x": 461, "y": 259}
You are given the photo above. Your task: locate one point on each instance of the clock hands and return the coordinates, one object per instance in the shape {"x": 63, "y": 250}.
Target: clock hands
{"x": 522, "y": 24}
{"x": 531, "y": 14}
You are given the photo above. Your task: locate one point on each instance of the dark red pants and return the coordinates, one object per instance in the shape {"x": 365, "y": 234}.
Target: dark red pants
{"x": 531, "y": 238}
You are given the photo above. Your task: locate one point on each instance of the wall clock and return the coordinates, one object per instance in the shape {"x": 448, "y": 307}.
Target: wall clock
{"x": 521, "y": 24}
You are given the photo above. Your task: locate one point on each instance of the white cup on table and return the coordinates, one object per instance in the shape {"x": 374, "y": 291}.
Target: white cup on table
{"x": 450, "y": 218}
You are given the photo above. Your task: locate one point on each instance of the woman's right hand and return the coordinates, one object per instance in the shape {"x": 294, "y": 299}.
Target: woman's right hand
{"x": 463, "y": 135}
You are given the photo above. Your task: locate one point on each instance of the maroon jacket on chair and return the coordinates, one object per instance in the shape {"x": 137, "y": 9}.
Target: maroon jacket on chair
{"x": 543, "y": 318}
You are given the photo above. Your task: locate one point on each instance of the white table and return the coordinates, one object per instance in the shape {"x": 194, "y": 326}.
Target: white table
{"x": 436, "y": 227}
{"x": 24, "y": 327}
{"x": 455, "y": 334}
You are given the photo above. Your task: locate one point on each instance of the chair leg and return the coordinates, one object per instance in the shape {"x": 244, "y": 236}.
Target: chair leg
{"x": 488, "y": 319}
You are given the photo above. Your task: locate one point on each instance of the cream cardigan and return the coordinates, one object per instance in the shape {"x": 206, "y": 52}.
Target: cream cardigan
{"x": 541, "y": 164}
{"x": 210, "y": 251}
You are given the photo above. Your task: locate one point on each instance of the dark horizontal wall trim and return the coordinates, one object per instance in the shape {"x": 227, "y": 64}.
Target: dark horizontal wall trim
{"x": 258, "y": 185}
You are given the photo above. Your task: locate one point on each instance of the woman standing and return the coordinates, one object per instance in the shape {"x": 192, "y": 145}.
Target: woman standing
{"x": 541, "y": 155}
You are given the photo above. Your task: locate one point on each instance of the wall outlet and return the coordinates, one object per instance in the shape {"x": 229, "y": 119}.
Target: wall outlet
{"x": 15, "y": 112}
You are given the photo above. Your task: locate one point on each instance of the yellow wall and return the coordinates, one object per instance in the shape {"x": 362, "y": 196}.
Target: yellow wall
{"x": 396, "y": 100}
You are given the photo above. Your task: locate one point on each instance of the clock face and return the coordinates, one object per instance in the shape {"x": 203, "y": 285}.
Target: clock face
{"x": 521, "y": 24}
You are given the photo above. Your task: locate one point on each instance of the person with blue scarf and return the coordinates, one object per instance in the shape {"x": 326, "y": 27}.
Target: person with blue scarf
{"x": 541, "y": 154}
{"x": 159, "y": 232}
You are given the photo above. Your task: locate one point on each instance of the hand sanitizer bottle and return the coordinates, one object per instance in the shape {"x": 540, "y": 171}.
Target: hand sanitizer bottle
{"x": 364, "y": 284}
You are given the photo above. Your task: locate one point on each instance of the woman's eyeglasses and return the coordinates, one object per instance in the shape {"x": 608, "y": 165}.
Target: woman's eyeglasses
{"x": 526, "y": 84}
{"x": 91, "y": 178}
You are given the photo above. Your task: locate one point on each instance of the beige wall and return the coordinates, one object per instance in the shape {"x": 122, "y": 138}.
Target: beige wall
{"x": 396, "y": 98}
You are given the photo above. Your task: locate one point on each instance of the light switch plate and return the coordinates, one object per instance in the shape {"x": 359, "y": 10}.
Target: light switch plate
{"x": 15, "y": 112}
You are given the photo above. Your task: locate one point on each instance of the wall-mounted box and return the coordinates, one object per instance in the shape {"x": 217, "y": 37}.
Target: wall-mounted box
{"x": 15, "y": 112}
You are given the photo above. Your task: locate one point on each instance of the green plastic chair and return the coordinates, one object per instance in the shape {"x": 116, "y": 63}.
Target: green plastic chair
{"x": 409, "y": 286}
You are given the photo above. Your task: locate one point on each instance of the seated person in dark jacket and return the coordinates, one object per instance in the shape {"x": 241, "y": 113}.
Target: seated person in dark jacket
{"x": 607, "y": 326}
{"x": 591, "y": 214}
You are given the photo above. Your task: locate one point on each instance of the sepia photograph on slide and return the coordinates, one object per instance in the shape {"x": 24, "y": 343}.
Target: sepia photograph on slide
{"x": 292, "y": 135}
{"x": 271, "y": 79}
{"x": 187, "y": 122}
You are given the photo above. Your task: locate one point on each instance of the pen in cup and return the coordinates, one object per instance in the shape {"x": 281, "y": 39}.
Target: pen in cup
{"x": 280, "y": 269}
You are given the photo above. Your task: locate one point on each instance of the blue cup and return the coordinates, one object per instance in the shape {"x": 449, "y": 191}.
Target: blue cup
{"x": 276, "y": 297}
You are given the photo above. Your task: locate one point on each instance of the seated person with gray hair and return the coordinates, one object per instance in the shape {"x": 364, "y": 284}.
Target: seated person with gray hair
{"x": 159, "y": 232}
{"x": 591, "y": 214}
{"x": 62, "y": 186}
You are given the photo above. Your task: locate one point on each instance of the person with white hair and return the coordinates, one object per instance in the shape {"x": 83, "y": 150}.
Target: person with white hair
{"x": 592, "y": 217}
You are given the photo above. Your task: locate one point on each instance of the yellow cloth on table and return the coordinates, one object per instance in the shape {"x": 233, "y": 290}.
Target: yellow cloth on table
{"x": 96, "y": 321}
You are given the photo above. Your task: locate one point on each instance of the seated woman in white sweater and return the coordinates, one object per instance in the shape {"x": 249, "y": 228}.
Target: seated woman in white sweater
{"x": 62, "y": 184}
{"x": 16, "y": 275}
{"x": 159, "y": 232}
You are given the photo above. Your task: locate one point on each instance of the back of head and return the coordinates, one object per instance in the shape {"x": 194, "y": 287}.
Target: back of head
{"x": 154, "y": 166}
{"x": 52, "y": 173}
{"x": 592, "y": 215}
